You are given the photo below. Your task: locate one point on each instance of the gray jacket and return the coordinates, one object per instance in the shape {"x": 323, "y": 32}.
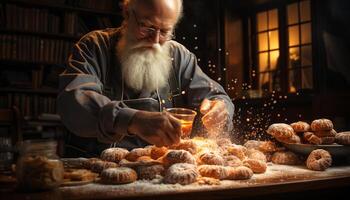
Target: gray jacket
{"x": 90, "y": 88}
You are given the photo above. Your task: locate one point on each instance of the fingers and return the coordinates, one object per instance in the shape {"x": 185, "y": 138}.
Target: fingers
{"x": 205, "y": 106}
{"x": 217, "y": 115}
{"x": 173, "y": 129}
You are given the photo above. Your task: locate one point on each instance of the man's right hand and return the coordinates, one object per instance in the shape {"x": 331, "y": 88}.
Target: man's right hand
{"x": 158, "y": 128}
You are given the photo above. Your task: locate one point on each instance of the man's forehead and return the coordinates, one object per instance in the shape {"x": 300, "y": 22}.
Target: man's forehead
{"x": 163, "y": 8}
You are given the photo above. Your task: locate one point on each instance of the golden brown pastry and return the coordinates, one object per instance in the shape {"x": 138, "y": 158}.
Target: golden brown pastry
{"x": 182, "y": 173}
{"x": 119, "y": 175}
{"x": 321, "y": 125}
{"x": 300, "y": 126}
{"x": 285, "y": 158}
{"x": 319, "y": 160}
{"x": 343, "y": 138}
{"x": 114, "y": 154}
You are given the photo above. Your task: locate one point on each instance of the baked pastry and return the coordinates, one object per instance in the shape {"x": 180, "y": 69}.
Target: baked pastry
{"x": 328, "y": 140}
{"x": 119, "y": 175}
{"x": 283, "y": 133}
{"x": 319, "y": 160}
{"x": 237, "y": 150}
{"x": 343, "y": 138}
{"x": 211, "y": 158}
{"x": 114, "y": 154}
{"x": 182, "y": 173}
{"x": 256, "y": 155}
{"x": 149, "y": 172}
{"x": 321, "y": 125}
{"x": 213, "y": 171}
{"x": 178, "y": 156}
{"x": 140, "y": 161}
{"x": 232, "y": 161}
{"x": 239, "y": 173}
{"x": 310, "y": 137}
{"x": 300, "y": 127}
{"x": 285, "y": 158}
{"x": 187, "y": 145}
{"x": 87, "y": 164}
{"x": 79, "y": 175}
{"x": 257, "y": 166}
{"x": 207, "y": 181}
{"x": 138, "y": 152}
{"x": 99, "y": 165}
{"x": 157, "y": 152}
{"x": 328, "y": 133}
{"x": 280, "y": 131}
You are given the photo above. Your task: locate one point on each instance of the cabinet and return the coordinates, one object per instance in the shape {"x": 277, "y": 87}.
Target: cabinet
{"x": 35, "y": 40}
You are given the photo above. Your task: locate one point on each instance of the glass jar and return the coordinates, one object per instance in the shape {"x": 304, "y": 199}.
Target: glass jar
{"x": 38, "y": 166}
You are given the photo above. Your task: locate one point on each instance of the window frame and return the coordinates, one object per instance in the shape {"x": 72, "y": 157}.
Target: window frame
{"x": 251, "y": 45}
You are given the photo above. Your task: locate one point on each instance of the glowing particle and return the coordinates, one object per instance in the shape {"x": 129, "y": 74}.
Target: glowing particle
{"x": 183, "y": 92}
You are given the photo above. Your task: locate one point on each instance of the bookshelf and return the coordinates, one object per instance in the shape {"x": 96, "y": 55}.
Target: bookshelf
{"x": 36, "y": 37}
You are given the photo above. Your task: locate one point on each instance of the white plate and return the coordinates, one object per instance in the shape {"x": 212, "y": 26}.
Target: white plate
{"x": 335, "y": 150}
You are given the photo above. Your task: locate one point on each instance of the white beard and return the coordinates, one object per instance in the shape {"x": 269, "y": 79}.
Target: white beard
{"x": 144, "y": 69}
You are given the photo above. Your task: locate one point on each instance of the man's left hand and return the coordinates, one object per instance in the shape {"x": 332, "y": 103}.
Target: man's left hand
{"x": 215, "y": 115}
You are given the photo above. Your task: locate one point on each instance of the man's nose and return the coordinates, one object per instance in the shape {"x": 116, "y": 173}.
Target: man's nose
{"x": 155, "y": 37}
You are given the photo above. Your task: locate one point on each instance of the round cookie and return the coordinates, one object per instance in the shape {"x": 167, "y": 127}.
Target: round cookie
{"x": 321, "y": 125}
{"x": 256, "y": 155}
{"x": 99, "y": 165}
{"x": 233, "y": 161}
{"x": 157, "y": 152}
{"x": 138, "y": 152}
{"x": 310, "y": 137}
{"x": 120, "y": 175}
{"x": 343, "y": 138}
{"x": 187, "y": 145}
{"x": 319, "y": 160}
{"x": 327, "y": 140}
{"x": 182, "y": 173}
{"x": 211, "y": 158}
{"x": 237, "y": 150}
{"x": 285, "y": 158}
{"x": 239, "y": 173}
{"x": 149, "y": 172}
{"x": 328, "y": 133}
{"x": 280, "y": 130}
{"x": 178, "y": 156}
{"x": 300, "y": 126}
{"x": 257, "y": 166}
{"x": 114, "y": 154}
{"x": 213, "y": 171}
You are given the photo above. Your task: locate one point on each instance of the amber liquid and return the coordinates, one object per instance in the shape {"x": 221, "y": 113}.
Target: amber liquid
{"x": 186, "y": 128}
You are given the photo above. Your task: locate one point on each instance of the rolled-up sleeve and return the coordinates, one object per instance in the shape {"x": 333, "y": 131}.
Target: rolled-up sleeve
{"x": 83, "y": 108}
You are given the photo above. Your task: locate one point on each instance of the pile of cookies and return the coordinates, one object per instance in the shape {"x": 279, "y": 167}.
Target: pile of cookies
{"x": 320, "y": 132}
{"x": 197, "y": 160}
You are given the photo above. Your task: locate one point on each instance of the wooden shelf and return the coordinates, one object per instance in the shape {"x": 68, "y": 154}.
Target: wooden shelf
{"x": 40, "y": 34}
{"x": 54, "y": 6}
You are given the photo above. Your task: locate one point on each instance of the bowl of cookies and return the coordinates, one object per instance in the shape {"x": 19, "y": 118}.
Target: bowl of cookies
{"x": 302, "y": 137}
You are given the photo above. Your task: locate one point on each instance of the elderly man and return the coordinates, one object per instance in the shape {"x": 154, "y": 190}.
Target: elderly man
{"x": 119, "y": 80}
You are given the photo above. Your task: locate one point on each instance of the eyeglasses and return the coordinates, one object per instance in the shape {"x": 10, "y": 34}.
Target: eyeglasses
{"x": 146, "y": 31}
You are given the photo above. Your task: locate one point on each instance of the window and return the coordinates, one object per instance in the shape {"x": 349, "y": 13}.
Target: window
{"x": 299, "y": 46}
{"x": 282, "y": 53}
{"x": 268, "y": 49}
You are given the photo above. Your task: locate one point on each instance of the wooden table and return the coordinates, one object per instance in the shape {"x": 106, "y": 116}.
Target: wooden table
{"x": 279, "y": 181}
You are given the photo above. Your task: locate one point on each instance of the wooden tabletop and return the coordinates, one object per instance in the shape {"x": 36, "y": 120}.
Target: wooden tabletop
{"x": 279, "y": 181}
